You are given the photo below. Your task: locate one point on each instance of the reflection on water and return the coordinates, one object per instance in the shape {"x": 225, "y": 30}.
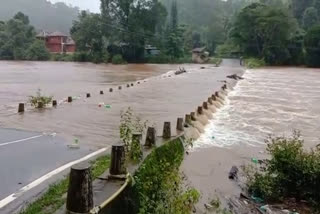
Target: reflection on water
{"x": 269, "y": 101}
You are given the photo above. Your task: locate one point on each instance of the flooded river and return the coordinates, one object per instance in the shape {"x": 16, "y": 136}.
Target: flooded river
{"x": 161, "y": 97}
{"x": 267, "y": 101}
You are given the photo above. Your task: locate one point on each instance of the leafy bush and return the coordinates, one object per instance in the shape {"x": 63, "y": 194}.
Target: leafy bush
{"x": 34, "y": 100}
{"x": 117, "y": 59}
{"x": 227, "y": 49}
{"x": 37, "y": 51}
{"x": 129, "y": 125}
{"x": 292, "y": 172}
{"x": 62, "y": 57}
{"x": 158, "y": 187}
{"x": 254, "y": 63}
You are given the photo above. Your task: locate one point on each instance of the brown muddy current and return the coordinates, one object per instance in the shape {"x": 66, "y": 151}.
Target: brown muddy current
{"x": 267, "y": 101}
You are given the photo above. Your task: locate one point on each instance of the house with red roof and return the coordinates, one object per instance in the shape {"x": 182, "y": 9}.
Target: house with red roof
{"x": 57, "y": 42}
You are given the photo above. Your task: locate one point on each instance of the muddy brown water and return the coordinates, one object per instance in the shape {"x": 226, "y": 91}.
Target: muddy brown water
{"x": 268, "y": 101}
{"x": 273, "y": 100}
{"x": 161, "y": 96}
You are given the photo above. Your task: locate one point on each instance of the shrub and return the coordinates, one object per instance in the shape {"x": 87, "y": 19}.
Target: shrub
{"x": 34, "y": 100}
{"x": 117, "y": 59}
{"x": 37, "y": 51}
{"x": 254, "y": 63}
{"x": 292, "y": 172}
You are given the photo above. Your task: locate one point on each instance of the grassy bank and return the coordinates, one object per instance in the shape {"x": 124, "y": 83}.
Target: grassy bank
{"x": 55, "y": 197}
{"x": 159, "y": 186}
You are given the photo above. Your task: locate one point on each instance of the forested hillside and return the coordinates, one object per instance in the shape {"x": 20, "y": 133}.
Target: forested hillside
{"x": 42, "y": 14}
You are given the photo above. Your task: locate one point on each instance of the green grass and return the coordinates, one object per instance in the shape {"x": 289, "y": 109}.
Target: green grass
{"x": 54, "y": 198}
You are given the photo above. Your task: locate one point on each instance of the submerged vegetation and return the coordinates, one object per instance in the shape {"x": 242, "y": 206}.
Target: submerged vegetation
{"x": 39, "y": 98}
{"x": 291, "y": 172}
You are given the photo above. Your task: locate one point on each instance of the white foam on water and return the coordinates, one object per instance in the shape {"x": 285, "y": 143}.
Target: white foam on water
{"x": 270, "y": 101}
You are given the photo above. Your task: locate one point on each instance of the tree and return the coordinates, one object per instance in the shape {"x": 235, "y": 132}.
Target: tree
{"x": 312, "y": 46}
{"x": 263, "y": 31}
{"x": 16, "y": 36}
{"x": 310, "y": 17}
{"x": 37, "y": 51}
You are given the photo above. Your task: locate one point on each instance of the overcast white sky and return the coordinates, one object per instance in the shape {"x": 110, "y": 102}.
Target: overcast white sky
{"x": 92, "y": 5}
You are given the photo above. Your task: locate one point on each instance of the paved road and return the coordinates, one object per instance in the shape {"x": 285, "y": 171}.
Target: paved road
{"x": 27, "y": 156}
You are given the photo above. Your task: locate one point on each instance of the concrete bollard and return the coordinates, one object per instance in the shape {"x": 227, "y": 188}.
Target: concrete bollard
{"x": 214, "y": 97}
{"x": 200, "y": 110}
{"x": 88, "y": 95}
{"x": 132, "y": 84}
{"x": 210, "y": 100}
{"x": 217, "y": 94}
{"x": 205, "y": 105}
{"x": 128, "y": 86}
{"x": 101, "y": 92}
{"x": 118, "y": 161}
{"x": 40, "y": 105}
{"x": 119, "y": 87}
{"x": 166, "y": 130}
{"x": 111, "y": 90}
{"x": 69, "y": 99}
{"x": 188, "y": 119}
{"x": 151, "y": 137}
{"x": 21, "y": 108}
{"x": 180, "y": 124}
{"x": 193, "y": 116}
{"x": 80, "y": 195}
{"x": 138, "y": 82}
{"x": 54, "y": 103}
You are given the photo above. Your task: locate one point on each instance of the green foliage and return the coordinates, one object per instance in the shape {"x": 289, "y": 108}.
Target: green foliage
{"x": 131, "y": 124}
{"x": 158, "y": 183}
{"x": 292, "y": 172}
{"x": 228, "y": 49}
{"x": 16, "y": 37}
{"x": 310, "y": 18}
{"x": 312, "y": 47}
{"x": 254, "y": 63}
{"x": 117, "y": 59}
{"x": 34, "y": 100}
{"x": 263, "y": 31}
{"x": 37, "y": 51}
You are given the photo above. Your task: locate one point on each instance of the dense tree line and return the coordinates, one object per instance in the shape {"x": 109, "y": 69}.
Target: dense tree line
{"x": 43, "y": 14}
{"x": 18, "y": 42}
{"x": 125, "y": 27}
{"x": 279, "y": 32}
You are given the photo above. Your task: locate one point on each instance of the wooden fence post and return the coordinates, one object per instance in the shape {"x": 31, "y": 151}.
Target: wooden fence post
{"x": 180, "y": 124}
{"x": 118, "y": 161}
{"x": 166, "y": 130}
{"x": 21, "y": 108}
{"x": 69, "y": 99}
{"x": 151, "y": 137}
{"x": 80, "y": 196}
{"x": 54, "y": 103}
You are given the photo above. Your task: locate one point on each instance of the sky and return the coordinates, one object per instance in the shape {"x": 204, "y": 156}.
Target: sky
{"x": 92, "y": 5}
